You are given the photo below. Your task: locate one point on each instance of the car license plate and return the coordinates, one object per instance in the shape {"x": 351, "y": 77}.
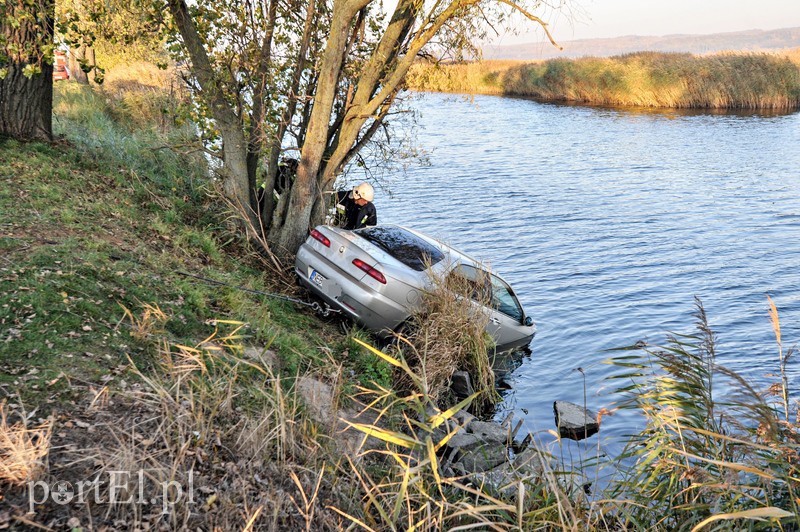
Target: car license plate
{"x": 317, "y": 278}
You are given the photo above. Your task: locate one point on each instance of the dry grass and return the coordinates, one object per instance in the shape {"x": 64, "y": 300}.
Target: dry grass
{"x": 414, "y": 488}
{"x": 23, "y": 448}
{"x": 447, "y": 332}
{"x": 144, "y": 94}
{"x": 239, "y": 430}
{"x": 137, "y": 75}
{"x": 207, "y": 437}
{"x": 728, "y": 80}
{"x": 209, "y": 417}
{"x": 150, "y": 323}
{"x": 482, "y": 77}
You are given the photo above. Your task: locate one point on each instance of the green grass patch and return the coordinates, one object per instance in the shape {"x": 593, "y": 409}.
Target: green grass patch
{"x": 98, "y": 226}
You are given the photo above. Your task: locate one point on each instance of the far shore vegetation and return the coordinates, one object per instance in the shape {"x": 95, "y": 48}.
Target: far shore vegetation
{"x": 725, "y": 80}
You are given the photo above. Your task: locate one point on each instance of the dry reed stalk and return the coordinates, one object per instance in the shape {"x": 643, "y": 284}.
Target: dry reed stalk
{"x": 23, "y": 449}
{"x": 448, "y": 333}
{"x": 150, "y": 323}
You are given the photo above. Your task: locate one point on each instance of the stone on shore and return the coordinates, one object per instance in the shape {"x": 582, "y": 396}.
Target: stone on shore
{"x": 321, "y": 404}
{"x": 489, "y": 432}
{"x": 469, "y": 453}
{"x": 504, "y": 479}
{"x": 461, "y": 384}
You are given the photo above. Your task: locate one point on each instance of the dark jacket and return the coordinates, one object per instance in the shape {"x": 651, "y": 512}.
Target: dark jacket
{"x": 350, "y": 216}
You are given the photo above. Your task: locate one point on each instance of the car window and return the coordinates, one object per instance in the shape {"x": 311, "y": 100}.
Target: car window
{"x": 406, "y": 247}
{"x": 488, "y": 288}
{"x": 504, "y": 300}
{"x": 469, "y": 280}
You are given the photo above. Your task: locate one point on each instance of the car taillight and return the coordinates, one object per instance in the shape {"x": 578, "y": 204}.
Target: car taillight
{"x": 320, "y": 237}
{"x": 372, "y": 272}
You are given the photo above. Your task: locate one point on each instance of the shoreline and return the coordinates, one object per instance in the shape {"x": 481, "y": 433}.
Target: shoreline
{"x": 720, "y": 81}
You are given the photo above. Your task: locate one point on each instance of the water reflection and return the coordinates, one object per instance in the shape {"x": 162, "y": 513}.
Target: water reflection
{"x": 505, "y": 363}
{"x": 662, "y": 112}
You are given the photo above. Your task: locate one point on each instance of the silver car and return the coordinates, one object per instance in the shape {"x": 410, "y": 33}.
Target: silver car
{"x": 375, "y": 275}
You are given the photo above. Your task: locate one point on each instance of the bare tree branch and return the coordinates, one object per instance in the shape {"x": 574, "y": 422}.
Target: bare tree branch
{"x": 533, "y": 18}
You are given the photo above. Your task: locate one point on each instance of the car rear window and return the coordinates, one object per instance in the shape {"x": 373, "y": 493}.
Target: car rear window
{"x": 406, "y": 247}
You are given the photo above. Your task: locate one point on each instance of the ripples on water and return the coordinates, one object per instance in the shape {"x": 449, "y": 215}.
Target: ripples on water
{"x": 608, "y": 223}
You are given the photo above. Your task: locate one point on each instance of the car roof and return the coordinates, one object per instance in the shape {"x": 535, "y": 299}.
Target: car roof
{"x": 420, "y": 244}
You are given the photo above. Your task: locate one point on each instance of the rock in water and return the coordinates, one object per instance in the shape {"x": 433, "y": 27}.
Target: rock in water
{"x": 574, "y": 421}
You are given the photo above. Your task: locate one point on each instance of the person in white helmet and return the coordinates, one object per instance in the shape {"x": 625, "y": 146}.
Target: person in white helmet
{"x": 354, "y": 208}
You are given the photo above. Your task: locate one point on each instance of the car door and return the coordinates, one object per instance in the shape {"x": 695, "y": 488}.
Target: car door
{"x": 507, "y": 316}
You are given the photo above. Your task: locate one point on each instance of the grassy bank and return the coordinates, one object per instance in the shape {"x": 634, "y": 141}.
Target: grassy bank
{"x": 648, "y": 79}
{"x": 102, "y": 222}
{"x": 119, "y": 372}
{"x": 112, "y": 361}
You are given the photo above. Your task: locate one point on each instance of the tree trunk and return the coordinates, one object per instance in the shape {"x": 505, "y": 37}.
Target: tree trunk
{"x": 91, "y": 64}
{"x": 76, "y": 57}
{"x": 235, "y": 176}
{"x": 306, "y": 191}
{"x": 270, "y": 215}
{"x": 26, "y": 102}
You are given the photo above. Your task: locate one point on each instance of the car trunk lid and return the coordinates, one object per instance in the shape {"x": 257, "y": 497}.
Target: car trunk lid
{"x": 347, "y": 252}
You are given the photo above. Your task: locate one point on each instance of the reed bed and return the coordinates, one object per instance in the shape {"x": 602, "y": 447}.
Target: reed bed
{"x": 482, "y": 77}
{"x": 704, "y": 461}
{"x": 447, "y": 333}
{"x": 769, "y": 81}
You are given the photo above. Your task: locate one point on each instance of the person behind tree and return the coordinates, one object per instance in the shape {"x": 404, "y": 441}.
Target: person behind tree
{"x": 284, "y": 177}
{"x": 354, "y": 208}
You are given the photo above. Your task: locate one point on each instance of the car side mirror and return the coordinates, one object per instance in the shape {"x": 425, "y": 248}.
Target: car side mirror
{"x": 528, "y": 321}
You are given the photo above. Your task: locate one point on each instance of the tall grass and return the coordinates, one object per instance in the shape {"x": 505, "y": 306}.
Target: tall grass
{"x": 146, "y": 96}
{"x": 413, "y": 487}
{"x": 701, "y": 458}
{"x": 447, "y": 333}
{"x": 647, "y": 79}
{"x": 225, "y": 425}
{"x": 135, "y": 121}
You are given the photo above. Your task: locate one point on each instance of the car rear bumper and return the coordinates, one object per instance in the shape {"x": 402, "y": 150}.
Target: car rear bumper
{"x": 340, "y": 290}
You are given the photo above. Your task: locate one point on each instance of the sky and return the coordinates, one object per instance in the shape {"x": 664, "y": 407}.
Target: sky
{"x": 590, "y": 19}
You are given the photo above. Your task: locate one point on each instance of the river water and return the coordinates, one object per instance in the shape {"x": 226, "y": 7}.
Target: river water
{"x": 608, "y": 222}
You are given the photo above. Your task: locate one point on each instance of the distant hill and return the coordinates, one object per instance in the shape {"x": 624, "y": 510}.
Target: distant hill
{"x": 751, "y": 40}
